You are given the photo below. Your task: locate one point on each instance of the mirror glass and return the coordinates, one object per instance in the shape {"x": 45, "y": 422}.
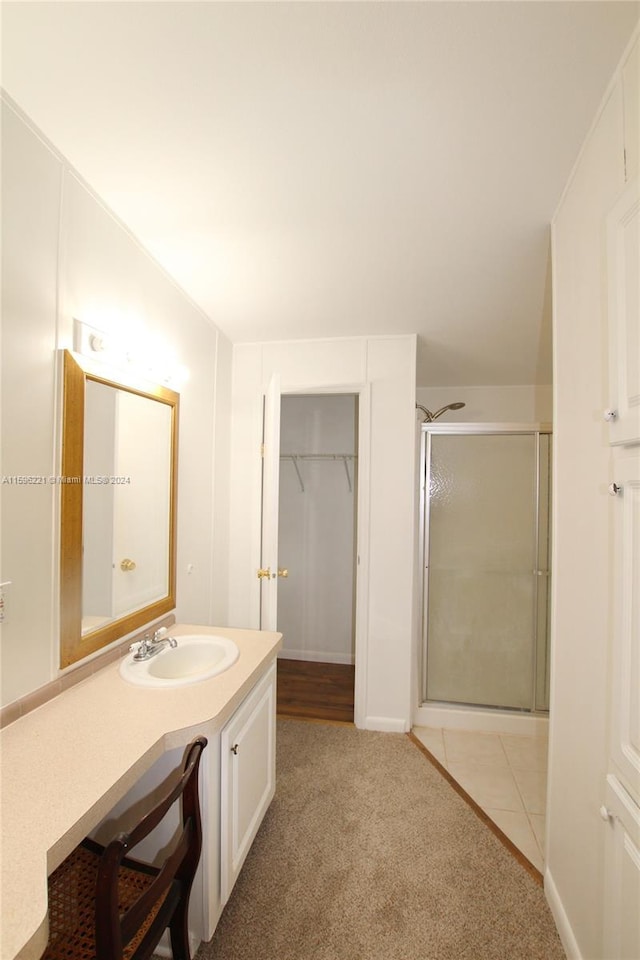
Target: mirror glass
{"x": 117, "y": 507}
{"x": 125, "y": 509}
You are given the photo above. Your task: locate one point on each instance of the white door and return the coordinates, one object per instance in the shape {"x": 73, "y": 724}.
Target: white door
{"x": 622, "y": 792}
{"x": 622, "y": 874}
{"x": 268, "y": 572}
{"x": 625, "y": 725}
{"x": 623, "y": 242}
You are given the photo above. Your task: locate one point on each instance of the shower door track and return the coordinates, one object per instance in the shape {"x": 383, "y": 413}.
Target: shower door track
{"x": 428, "y": 429}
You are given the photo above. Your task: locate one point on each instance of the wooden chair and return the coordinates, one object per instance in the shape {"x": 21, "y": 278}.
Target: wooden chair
{"x": 104, "y": 905}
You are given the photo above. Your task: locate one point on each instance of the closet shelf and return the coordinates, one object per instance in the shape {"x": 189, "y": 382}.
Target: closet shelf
{"x": 344, "y": 457}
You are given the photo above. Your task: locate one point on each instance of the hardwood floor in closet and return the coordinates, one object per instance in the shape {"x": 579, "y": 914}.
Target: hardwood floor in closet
{"x": 315, "y": 691}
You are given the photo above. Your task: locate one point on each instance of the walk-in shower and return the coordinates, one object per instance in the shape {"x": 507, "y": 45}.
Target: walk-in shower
{"x": 485, "y": 500}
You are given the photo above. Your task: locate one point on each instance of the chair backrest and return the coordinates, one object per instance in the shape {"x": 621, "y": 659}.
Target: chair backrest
{"x": 171, "y": 881}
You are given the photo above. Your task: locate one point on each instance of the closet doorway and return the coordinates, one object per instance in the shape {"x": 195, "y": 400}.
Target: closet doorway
{"x": 317, "y": 529}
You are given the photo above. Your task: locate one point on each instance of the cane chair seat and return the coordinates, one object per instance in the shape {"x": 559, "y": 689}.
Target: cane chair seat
{"x": 104, "y": 905}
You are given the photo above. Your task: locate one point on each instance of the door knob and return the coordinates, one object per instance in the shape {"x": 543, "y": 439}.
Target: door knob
{"x": 264, "y": 574}
{"x": 127, "y": 565}
{"x": 283, "y": 572}
{"x": 615, "y": 489}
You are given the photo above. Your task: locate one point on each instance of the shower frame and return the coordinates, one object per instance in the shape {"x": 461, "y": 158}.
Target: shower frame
{"x": 428, "y": 429}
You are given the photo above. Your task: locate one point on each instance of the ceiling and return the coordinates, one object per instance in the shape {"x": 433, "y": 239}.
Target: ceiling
{"x": 334, "y": 169}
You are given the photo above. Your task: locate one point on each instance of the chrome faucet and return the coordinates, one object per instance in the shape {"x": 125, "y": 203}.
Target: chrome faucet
{"x": 149, "y": 646}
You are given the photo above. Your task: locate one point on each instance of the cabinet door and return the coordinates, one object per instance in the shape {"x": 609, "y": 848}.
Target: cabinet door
{"x": 248, "y": 775}
{"x": 625, "y": 700}
{"x": 623, "y": 253}
{"x": 622, "y": 875}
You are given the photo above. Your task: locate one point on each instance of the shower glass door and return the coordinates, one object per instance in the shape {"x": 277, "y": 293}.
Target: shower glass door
{"x": 486, "y": 570}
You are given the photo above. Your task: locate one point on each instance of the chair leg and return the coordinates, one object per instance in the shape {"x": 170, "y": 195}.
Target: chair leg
{"x": 179, "y": 932}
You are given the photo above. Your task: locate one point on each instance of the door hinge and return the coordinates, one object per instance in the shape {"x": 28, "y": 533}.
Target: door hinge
{"x": 262, "y": 450}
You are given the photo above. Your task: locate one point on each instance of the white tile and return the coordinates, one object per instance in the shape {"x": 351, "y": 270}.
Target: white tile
{"x": 490, "y": 785}
{"x": 432, "y": 739}
{"x": 505, "y": 775}
{"x": 525, "y": 753}
{"x": 517, "y": 827}
{"x": 464, "y": 746}
{"x": 533, "y": 789}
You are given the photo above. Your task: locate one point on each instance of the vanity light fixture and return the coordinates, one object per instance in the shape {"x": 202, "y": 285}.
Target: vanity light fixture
{"x": 97, "y": 343}
{"x": 91, "y": 342}
{"x": 144, "y": 358}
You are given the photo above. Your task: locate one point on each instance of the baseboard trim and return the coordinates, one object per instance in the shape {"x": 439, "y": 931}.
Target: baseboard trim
{"x": 316, "y": 656}
{"x": 386, "y": 724}
{"x": 565, "y": 931}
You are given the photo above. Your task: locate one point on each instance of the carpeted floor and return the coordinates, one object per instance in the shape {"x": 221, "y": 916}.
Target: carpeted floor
{"x": 367, "y": 853}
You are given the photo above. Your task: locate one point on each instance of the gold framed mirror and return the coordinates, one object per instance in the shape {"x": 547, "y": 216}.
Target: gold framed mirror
{"x": 117, "y": 506}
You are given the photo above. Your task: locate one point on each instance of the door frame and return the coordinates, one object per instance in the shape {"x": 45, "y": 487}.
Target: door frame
{"x": 361, "y": 603}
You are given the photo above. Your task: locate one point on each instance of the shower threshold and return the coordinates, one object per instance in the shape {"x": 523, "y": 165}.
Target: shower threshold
{"x": 484, "y": 719}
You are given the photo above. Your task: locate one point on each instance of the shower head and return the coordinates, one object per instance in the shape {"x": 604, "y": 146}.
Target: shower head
{"x": 430, "y": 417}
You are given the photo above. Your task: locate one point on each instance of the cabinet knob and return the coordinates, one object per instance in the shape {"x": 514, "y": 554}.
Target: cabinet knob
{"x": 605, "y": 813}
{"x": 234, "y": 748}
{"x": 610, "y": 415}
{"x": 614, "y": 489}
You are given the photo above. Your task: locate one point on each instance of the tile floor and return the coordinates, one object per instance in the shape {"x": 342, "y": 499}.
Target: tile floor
{"x": 506, "y": 774}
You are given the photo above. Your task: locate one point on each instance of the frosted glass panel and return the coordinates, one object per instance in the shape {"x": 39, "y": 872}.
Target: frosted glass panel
{"x": 481, "y": 558}
{"x": 544, "y": 576}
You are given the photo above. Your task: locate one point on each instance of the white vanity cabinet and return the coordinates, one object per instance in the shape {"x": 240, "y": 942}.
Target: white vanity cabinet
{"x": 248, "y": 776}
{"x": 237, "y": 784}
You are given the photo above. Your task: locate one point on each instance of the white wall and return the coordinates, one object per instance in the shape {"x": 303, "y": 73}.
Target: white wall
{"x": 316, "y": 529}
{"x": 64, "y": 255}
{"x": 582, "y": 537}
{"x": 518, "y": 404}
{"x": 384, "y": 369}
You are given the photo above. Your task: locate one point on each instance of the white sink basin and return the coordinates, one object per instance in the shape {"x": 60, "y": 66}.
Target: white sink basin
{"x": 196, "y": 657}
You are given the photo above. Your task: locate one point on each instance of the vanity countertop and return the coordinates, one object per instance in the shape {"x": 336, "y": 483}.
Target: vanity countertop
{"x": 66, "y": 764}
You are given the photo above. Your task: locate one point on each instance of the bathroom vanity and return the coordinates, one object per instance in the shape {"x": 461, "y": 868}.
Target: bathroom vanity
{"x": 77, "y": 764}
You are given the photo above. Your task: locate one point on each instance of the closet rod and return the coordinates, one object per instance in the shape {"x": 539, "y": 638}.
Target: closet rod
{"x": 344, "y": 457}
{"x": 318, "y": 456}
